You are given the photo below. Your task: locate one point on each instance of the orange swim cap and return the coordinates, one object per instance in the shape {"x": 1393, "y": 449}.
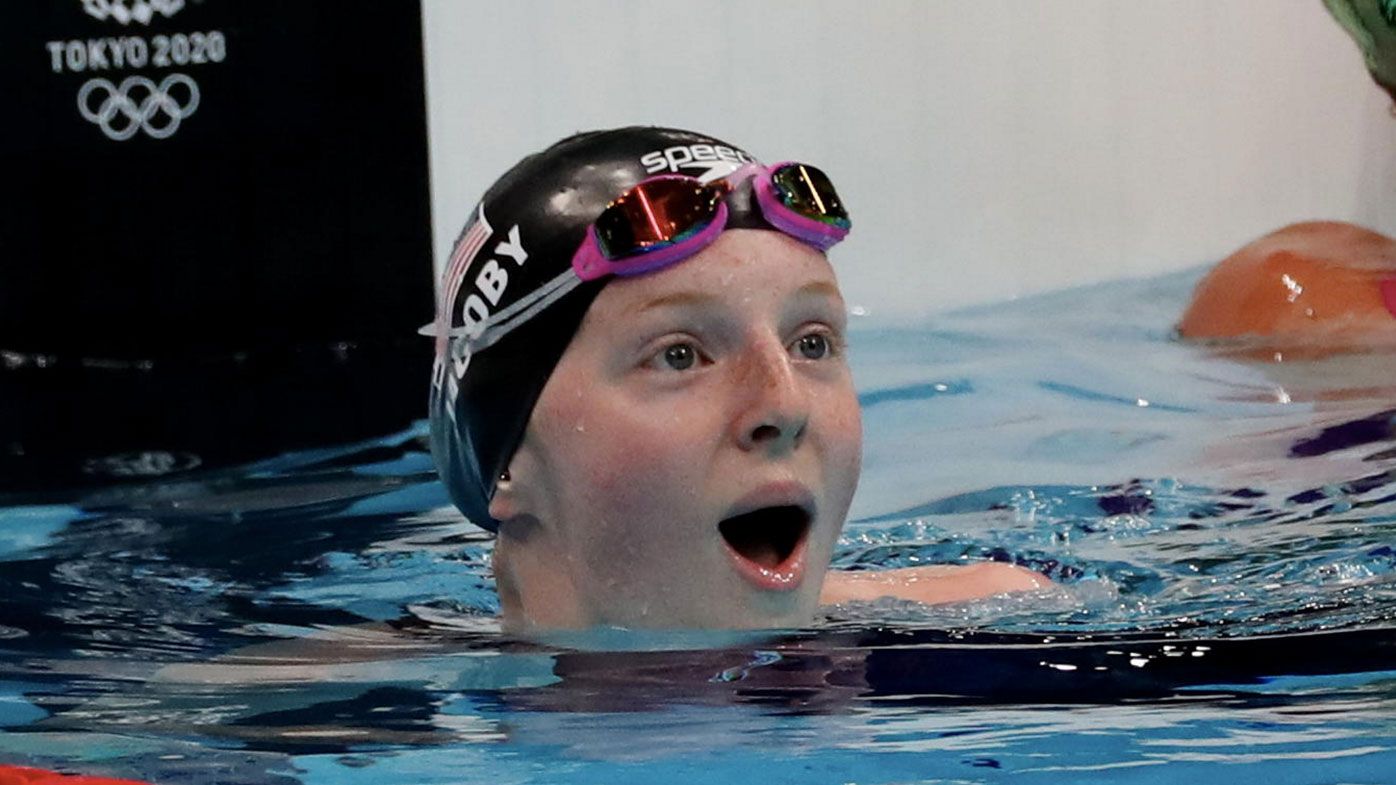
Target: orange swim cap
{"x": 1315, "y": 283}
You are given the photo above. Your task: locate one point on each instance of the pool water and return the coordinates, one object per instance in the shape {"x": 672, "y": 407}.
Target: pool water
{"x": 1220, "y": 531}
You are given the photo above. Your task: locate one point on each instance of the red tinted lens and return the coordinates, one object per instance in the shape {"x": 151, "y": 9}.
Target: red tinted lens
{"x": 655, "y": 214}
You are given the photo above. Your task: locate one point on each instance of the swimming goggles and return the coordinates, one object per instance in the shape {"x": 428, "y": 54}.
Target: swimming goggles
{"x": 665, "y": 219}
{"x": 1388, "y": 294}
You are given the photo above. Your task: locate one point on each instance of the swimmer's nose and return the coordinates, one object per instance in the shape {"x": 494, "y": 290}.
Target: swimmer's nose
{"x": 774, "y": 412}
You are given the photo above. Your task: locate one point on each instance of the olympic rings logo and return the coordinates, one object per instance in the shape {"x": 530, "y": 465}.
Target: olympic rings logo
{"x": 138, "y": 104}
{"x": 140, "y": 11}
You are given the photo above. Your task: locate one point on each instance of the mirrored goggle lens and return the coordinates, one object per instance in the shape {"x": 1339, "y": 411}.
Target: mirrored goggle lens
{"x": 655, "y": 214}
{"x": 807, "y": 190}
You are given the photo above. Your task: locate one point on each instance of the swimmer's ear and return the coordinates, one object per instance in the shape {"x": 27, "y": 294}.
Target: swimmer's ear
{"x": 505, "y": 502}
{"x": 516, "y": 494}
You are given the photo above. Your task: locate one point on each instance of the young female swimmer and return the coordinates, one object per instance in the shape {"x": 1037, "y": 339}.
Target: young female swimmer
{"x": 640, "y": 386}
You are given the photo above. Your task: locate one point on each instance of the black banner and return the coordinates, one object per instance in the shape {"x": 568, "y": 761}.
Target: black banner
{"x": 194, "y": 184}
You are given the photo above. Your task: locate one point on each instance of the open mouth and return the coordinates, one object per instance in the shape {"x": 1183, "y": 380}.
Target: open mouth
{"x": 767, "y": 536}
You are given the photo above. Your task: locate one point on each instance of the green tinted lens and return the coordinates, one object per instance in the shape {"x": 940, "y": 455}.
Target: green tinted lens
{"x": 807, "y": 191}
{"x": 654, "y": 214}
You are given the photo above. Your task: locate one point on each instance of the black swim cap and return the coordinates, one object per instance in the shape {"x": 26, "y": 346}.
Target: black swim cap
{"x": 515, "y": 248}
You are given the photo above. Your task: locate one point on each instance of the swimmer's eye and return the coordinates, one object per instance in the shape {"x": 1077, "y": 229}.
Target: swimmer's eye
{"x": 680, "y": 356}
{"x": 677, "y": 356}
{"x": 816, "y": 346}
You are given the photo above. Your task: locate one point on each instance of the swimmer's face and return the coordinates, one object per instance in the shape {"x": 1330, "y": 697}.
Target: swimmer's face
{"x": 691, "y": 459}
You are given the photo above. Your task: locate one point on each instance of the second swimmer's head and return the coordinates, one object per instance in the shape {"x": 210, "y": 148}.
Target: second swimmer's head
{"x": 1306, "y": 291}
{"x": 641, "y": 383}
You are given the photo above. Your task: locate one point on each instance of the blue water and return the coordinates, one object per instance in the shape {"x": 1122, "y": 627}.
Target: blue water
{"x": 1221, "y": 532}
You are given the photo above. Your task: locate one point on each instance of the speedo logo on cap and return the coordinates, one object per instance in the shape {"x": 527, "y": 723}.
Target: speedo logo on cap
{"x": 704, "y": 161}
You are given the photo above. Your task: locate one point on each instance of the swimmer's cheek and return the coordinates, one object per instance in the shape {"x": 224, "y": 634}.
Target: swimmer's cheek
{"x": 931, "y": 585}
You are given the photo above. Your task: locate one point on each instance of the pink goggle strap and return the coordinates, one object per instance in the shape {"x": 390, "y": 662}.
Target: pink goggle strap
{"x": 1388, "y": 294}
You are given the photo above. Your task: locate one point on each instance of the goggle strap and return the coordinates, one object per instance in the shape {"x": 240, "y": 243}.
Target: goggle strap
{"x": 502, "y": 323}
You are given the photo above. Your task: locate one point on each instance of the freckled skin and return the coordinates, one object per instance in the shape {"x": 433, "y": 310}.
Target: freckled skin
{"x": 612, "y": 508}
{"x": 1316, "y": 282}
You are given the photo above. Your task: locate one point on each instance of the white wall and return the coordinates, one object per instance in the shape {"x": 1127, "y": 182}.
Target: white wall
{"x": 987, "y": 148}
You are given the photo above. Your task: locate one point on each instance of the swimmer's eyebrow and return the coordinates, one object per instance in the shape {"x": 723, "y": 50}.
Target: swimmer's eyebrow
{"x": 682, "y": 299}
{"x": 821, "y": 287}
{"x": 679, "y": 299}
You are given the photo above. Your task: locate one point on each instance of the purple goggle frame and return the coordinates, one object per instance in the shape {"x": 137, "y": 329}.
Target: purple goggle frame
{"x": 667, "y": 218}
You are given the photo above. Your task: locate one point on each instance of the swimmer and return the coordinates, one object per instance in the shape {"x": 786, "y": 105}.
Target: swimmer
{"x": 641, "y": 387}
{"x": 1313, "y": 307}
{"x": 1309, "y": 289}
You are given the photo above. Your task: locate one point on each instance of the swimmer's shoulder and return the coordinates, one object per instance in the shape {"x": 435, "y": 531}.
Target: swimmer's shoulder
{"x": 932, "y": 585}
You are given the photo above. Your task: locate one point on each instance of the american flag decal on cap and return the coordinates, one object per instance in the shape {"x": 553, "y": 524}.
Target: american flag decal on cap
{"x": 467, "y": 246}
